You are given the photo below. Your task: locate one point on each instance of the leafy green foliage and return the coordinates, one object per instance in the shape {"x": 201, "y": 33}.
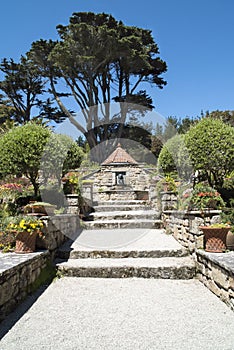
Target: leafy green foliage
{"x": 226, "y": 116}
{"x": 74, "y": 158}
{"x": 23, "y": 88}
{"x": 21, "y": 149}
{"x": 204, "y": 196}
{"x": 211, "y": 147}
{"x": 100, "y": 60}
{"x": 174, "y": 158}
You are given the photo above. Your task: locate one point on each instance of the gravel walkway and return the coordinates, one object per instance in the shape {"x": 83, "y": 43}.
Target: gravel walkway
{"x": 112, "y": 314}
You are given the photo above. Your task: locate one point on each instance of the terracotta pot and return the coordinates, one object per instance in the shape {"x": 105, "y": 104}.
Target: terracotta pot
{"x": 230, "y": 241}
{"x": 26, "y": 242}
{"x": 215, "y": 238}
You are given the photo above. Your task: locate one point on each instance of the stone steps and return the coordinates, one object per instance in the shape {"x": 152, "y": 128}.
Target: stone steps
{"x": 120, "y": 207}
{"x": 71, "y": 251}
{"x": 121, "y": 202}
{"x": 125, "y": 253}
{"x": 124, "y": 215}
{"x": 121, "y": 223}
{"x": 163, "y": 268}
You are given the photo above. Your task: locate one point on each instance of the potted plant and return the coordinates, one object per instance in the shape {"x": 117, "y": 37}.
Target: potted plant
{"x": 71, "y": 182}
{"x": 26, "y": 229}
{"x": 7, "y": 239}
{"x": 40, "y": 208}
{"x": 215, "y": 237}
{"x": 205, "y": 197}
{"x": 169, "y": 184}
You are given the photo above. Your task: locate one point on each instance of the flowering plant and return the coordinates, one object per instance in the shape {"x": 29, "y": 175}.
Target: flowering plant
{"x": 220, "y": 225}
{"x": 10, "y": 190}
{"x": 71, "y": 177}
{"x": 71, "y": 182}
{"x": 26, "y": 224}
{"x": 203, "y": 196}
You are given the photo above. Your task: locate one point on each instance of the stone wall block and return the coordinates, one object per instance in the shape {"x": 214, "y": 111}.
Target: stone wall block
{"x": 220, "y": 277}
{"x": 231, "y": 292}
{"x": 231, "y": 282}
{"x": 215, "y": 219}
{"x": 214, "y": 288}
{"x": 224, "y": 295}
{"x": 200, "y": 242}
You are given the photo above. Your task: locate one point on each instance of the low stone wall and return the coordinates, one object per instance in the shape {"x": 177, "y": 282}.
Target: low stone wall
{"x": 18, "y": 272}
{"x": 184, "y": 226}
{"x": 57, "y": 229}
{"x": 216, "y": 271}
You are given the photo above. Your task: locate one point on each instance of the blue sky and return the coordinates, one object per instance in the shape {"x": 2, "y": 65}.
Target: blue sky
{"x": 195, "y": 38}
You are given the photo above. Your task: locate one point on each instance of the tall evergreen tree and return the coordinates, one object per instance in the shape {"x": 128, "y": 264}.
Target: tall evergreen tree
{"x": 100, "y": 60}
{"x": 22, "y": 93}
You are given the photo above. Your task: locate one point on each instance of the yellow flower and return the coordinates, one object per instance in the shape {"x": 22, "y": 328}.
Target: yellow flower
{"x": 22, "y": 224}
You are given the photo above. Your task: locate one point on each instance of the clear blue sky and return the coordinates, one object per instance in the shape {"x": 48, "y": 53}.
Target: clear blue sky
{"x": 195, "y": 38}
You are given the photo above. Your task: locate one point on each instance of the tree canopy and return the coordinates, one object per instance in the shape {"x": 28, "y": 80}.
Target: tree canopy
{"x": 21, "y": 149}
{"x": 101, "y": 60}
{"x": 22, "y": 93}
{"x": 34, "y": 151}
{"x": 226, "y": 116}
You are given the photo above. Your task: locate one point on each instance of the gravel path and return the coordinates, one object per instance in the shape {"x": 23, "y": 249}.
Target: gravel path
{"x": 112, "y": 314}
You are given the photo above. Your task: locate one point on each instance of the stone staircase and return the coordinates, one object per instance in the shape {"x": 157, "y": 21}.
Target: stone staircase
{"x": 122, "y": 214}
{"x": 123, "y": 253}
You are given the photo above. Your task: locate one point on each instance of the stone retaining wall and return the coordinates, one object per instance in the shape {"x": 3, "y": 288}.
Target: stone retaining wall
{"x": 216, "y": 272}
{"x": 18, "y": 272}
{"x": 57, "y": 229}
{"x": 184, "y": 226}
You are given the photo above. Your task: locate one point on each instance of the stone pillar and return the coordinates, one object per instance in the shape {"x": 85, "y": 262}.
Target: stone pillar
{"x": 169, "y": 200}
{"x": 73, "y": 204}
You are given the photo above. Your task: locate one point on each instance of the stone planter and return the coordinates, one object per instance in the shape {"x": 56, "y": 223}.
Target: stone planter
{"x": 215, "y": 238}
{"x": 40, "y": 209}
{"x": 26, "y": 242}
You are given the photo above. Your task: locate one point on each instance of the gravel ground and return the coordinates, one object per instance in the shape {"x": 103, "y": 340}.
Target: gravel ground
{"x": 144, "y": 314}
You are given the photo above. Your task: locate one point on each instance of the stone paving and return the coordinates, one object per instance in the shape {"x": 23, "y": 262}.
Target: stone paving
{"x": 119, "y": 313}
{"x": 125, "y": 314}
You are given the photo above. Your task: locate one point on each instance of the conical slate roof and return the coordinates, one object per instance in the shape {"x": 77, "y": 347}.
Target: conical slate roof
{"x": 119, "y": 156}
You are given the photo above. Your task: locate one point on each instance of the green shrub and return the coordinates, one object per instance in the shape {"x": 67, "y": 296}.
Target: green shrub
{"x": 174, "y": 158}
{"x": 211, "y": 148}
